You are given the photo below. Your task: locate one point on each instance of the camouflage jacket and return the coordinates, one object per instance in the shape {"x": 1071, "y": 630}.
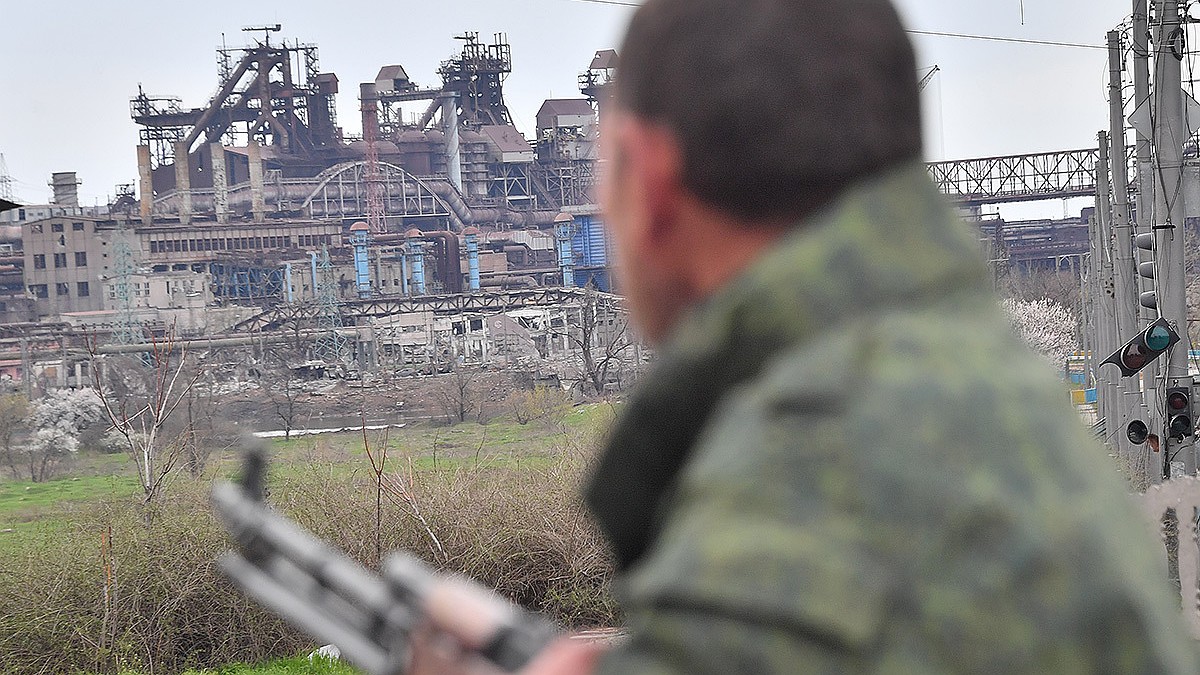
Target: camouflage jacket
{"x": 846, "y": 461}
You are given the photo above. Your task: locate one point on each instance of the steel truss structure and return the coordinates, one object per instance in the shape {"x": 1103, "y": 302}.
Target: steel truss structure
{"x": 343, "y": 192}
{"x": 274, "y": 94}
{"x": 1021, "y": 178}
{"x": 288, "y": 316}
{"x": 569, "y": 183}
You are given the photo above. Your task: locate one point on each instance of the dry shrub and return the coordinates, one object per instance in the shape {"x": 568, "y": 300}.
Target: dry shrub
{"x": 519, "y": 530}
{"x": 167, "y": 608}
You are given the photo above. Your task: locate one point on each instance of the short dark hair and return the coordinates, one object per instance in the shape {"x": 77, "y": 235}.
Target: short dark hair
{"x": 778, "y": 104}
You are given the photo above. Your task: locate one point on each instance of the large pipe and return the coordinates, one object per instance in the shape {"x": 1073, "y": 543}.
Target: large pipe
{"x": 453, "y": 151}
{"x": 416, "y": 249}
{"x": 258, "y": 206}
{"x": 450, "y": 262}
{"x": 362, "y": 268}
{"x": 183, "y": 183}
{"x": 564, "y": 234}
{"x": 220, "y": 183}
{"x": 145, "y": 184}
{"x": 461, "y": 215}
{"x": 472, "y": 236}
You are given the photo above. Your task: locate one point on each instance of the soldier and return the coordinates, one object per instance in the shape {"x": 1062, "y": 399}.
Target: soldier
{"x": 843, "y": 459}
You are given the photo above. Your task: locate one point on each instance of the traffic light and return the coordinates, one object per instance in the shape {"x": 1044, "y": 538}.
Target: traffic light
{"x": 1145, "y": 242}
{"x": 1137, "y": 432}
{"x": 1179, "y": 412}
{"x": 1148, "y": 345}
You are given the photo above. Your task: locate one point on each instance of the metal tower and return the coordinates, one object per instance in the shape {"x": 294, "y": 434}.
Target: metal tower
{"x": 332, "y": 346}
{"x": 127, "y": 329}
{"x": 6, "y": 191}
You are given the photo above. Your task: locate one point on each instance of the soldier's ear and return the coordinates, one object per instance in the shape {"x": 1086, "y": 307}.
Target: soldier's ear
{"x": 654, "y": 160}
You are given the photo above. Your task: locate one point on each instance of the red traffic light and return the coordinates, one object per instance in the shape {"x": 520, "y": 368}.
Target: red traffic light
{"x": 1179, "y": 412}
{"x": 1177, "y": 401}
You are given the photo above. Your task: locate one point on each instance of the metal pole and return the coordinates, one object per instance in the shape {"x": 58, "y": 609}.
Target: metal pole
{"x": 1145, "y": 208}
{"x": 1130, "y": 403}
{"x": 1107, "y": 389}
{"x": 1170, "y": 135}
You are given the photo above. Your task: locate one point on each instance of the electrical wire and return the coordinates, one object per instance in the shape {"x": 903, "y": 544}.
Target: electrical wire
{"x": 997, "y": 38}
{"x": 930, "y": 33}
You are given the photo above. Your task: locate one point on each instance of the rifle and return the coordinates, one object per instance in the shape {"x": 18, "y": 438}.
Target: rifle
{"x": 370, "y": 617}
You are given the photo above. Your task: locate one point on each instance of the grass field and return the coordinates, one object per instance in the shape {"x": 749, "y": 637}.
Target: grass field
{"x": 27, "y": 507}
{"x": 502, "y": 498}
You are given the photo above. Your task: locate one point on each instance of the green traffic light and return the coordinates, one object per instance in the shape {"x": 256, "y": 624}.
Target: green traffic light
{"x": 1158, "y": 338}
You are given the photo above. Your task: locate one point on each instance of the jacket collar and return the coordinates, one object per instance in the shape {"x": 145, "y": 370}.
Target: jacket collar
{"x": 887, "y": 241}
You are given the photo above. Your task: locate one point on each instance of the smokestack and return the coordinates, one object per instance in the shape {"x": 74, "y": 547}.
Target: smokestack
{"x": 220, "y": 183}
{"x": 183, "y": 183}
{"x": 66, "y": 190}
{"x": 145, "y": 183}
{"x": 257, "y": 202}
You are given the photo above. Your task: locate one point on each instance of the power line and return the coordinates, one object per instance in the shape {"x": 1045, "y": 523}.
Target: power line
{"x": 931, "y": 33}
{"x": 996, "y": 38}
{"x": 618, "y": 3}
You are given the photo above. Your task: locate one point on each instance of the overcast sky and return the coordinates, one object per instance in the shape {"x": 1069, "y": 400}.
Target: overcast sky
{"x": 68, "y": 68}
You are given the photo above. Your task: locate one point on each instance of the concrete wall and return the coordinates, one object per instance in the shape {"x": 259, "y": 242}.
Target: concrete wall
{"x": 65, "y": 259}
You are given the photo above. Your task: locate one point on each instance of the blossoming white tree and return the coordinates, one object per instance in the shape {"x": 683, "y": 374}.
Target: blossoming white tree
{"x": 56, "y": 422}
{"x": 1046, "y": 326}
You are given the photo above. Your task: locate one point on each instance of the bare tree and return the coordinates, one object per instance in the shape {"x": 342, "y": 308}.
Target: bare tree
{"x": 139, "y": 398}
{"x": 281, "y": 384}
{"x": 456, "y": 393}
{"x": 1061, "y": 286}
{"x": 204, "y": 430}
{"x": 602, "y": 339}
{"x": 14, "y": 409}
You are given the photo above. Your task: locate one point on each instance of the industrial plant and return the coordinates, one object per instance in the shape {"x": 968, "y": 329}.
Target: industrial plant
{"x": 440, "y": 235}
{"x": 256, "y": 212}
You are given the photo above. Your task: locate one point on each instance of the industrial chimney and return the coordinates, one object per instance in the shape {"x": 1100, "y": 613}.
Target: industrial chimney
{"x": 66, "y": 190}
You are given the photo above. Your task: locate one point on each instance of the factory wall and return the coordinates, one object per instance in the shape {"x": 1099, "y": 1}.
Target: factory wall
{"x": 64, "y": 260}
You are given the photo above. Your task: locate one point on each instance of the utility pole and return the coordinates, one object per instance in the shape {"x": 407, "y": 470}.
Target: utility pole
{"x": 1170, "y": 135}
{"x": 1130, "y": 403}
{"x": 1107, "y": 388}
{"x": 1145, "y": 204}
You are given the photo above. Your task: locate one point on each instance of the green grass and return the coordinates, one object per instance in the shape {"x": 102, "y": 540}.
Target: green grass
{"x": 502, "y": 500}
{"x": 28, "y": 508}
{"x": 297, "y": 666}
{"x": 24, "y": 504}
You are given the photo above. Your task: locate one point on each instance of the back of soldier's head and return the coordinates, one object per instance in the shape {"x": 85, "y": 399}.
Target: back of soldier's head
{"x": 778, "y": 104}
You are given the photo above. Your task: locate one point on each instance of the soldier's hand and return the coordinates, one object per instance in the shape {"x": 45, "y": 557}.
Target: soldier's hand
{"x": 461, "y": 621}
{"x": 440, "y": 654}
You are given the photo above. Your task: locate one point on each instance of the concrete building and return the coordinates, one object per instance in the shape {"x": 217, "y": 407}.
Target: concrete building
{"x": 65, "y": 259}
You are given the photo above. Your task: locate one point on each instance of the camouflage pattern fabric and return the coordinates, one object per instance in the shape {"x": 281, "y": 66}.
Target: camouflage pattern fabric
{"x": 846, "y": 462}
